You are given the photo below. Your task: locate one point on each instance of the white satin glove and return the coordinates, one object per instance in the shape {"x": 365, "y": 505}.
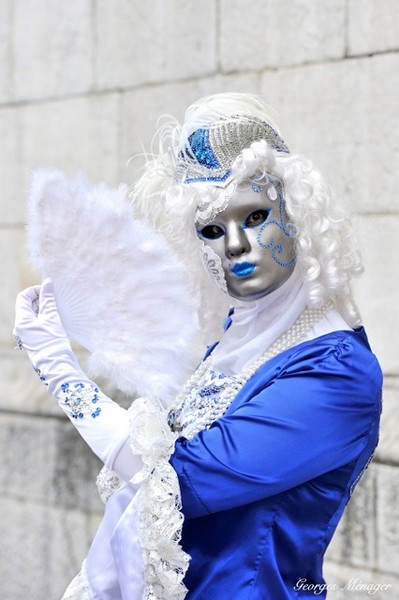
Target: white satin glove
{"x": 39, "y": 331}
{"x": 102, "y": 423}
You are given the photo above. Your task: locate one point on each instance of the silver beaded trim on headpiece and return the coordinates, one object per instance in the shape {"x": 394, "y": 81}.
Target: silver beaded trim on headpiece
{"x": 210, "y": 151}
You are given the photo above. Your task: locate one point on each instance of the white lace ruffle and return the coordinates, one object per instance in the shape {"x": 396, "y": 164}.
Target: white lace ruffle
{"x": 107, "y": 482}
{"x": 78, "y": 589}
{"x": 160, "y": 517}
{"x": 213, "y": 264}
{"x": 212, "y": 204}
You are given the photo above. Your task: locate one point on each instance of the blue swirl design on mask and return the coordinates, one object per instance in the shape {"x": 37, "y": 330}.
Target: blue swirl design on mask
{"x": 256, "y": 187}
{"x": 277, "y": 250}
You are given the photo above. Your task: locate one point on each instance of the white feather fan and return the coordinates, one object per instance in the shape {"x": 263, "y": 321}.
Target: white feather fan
{"x": 119, "y": 288}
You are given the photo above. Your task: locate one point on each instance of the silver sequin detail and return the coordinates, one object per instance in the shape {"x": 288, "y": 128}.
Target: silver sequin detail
{"x": 216, "y": 147}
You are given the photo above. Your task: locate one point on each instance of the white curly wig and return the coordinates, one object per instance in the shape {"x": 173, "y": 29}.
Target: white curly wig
{"x": 325, "y": 247}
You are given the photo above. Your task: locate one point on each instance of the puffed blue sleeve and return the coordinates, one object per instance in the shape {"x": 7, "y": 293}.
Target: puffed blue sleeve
{"x": 295, "y": 420}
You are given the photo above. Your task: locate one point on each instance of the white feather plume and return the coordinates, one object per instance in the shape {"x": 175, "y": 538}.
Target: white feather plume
{"x": 120, "y": 289}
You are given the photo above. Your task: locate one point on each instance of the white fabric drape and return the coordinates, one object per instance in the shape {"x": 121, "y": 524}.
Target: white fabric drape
{"x": 257, "y": 324}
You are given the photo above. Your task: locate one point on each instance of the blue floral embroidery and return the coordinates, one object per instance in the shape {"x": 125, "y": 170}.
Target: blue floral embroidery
{"x": 198, "y": 401}
{"x": 80, "y": 399}
{"x": 20, "y": 345}
{"x": 41, "y": 377}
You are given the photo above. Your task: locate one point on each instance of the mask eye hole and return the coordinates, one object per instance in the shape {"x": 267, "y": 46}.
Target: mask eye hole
{"x": 257, "y": 218}
{"x": 211, "y": 232}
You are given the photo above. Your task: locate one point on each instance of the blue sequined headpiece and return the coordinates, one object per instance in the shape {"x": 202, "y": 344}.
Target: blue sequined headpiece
{"x": 211, "y": 151}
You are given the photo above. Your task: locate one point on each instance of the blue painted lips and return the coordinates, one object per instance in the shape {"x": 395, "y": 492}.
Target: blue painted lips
{"x": 243, "y": 269}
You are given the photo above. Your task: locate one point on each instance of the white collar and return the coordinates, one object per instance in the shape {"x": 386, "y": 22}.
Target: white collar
{"x": 256, "y": 324}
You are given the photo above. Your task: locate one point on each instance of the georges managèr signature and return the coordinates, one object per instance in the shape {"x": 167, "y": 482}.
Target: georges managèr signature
{"x": 353, "y": 585}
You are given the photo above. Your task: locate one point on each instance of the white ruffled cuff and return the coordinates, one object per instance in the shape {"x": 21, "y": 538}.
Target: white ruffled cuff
{"x": 160, "y": 517}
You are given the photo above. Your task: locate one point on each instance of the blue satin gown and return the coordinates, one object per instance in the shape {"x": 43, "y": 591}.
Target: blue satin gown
{"x": 264, "y": 487}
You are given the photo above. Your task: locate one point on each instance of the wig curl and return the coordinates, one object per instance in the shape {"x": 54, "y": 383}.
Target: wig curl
{"x": 326, "y": 250}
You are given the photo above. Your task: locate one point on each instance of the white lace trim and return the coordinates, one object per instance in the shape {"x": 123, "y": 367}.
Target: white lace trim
{"x": 108, "y": 482}
{"x": 79, "y": 588}
{"x": 211, "y": 204}
{"x": 213, "y": 264}
{"x": 160, "y": 517}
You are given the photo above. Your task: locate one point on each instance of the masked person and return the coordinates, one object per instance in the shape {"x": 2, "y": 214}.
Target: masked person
{"x": 236, "y": 491}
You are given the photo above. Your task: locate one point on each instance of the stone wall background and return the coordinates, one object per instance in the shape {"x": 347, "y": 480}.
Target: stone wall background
{"x": 81, "y": 86}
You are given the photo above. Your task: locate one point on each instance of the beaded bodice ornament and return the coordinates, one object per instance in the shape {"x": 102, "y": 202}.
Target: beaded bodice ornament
{"x": 208, "y": 394}
{"x": 202, "y": 403}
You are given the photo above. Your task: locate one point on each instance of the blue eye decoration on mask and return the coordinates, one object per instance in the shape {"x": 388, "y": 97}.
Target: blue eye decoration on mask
{"x": 277, "y": 250}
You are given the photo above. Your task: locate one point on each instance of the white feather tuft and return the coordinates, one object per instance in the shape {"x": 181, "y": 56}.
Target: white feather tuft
{"x": 120, "y": 290}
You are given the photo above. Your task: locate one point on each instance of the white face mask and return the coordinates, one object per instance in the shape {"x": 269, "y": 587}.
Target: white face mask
{"x": 248, "y": 247}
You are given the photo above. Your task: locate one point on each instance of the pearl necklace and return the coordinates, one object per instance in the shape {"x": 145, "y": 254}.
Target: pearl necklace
{"x": 215, "y": 410}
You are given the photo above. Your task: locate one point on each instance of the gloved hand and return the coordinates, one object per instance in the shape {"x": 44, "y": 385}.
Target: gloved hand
{"x": 38, "y": 329}
{"x": 101, "y": 422}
